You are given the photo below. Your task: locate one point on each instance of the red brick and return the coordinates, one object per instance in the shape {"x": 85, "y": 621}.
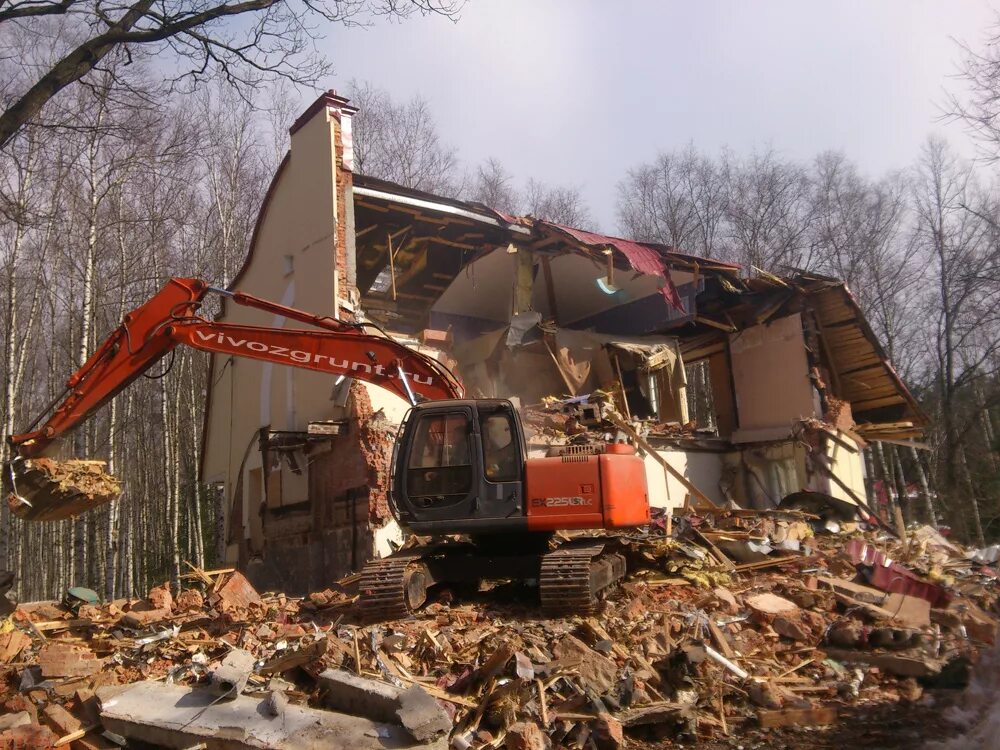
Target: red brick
{"x": 61, "y": 720}
{"x": 236, "y": 593}
{"x": 67, "y": 660}
{"x": 11, "y": 644}
{"x": 33, "y": 737}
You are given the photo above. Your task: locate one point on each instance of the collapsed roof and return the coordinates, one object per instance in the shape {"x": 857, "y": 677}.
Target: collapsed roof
{"x": 427, "y": 261}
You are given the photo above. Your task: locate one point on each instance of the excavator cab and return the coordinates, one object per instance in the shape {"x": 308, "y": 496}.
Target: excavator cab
{"x": 458, "y": 468}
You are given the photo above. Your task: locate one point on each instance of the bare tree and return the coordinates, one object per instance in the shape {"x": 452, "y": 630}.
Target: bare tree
{"x": 561, "y": 205}
{"x": 493, "y": 186}
{"x": 978, "y": 105}
{"x": 399, "y": 142}
{"x": 654, "y": 200}
{"x": 244, "y": 41}
{"x": 959, "y": 249}
{"x": 768, "y": 212}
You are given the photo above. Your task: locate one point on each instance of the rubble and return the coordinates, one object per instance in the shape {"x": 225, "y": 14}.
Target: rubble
{"x": 687, "y": 649}
{"x": 45, "y": 489}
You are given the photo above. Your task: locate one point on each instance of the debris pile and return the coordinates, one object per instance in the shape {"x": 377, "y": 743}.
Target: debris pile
{"x": 740, "y": 622}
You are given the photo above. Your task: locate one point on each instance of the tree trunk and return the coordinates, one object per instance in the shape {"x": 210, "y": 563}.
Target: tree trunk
{"x": 977, "y": 522}
{"x": 901, "y": 491}
{"x": 925, "y": 490}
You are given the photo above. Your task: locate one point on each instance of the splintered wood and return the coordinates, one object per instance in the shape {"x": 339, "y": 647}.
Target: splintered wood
{"x": 44, "y": 489}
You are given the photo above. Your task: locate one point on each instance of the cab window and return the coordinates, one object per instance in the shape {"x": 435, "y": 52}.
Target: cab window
{"x": 501, "y": 450}
{"x": 440, "y": 456}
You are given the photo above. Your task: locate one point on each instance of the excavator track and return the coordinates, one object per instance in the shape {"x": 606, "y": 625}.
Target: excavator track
{"x": 573, "y": 576}
{"x": 393, "y": 587}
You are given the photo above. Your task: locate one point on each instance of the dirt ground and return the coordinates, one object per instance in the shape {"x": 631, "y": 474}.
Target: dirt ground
{"x": 872, "y": 726}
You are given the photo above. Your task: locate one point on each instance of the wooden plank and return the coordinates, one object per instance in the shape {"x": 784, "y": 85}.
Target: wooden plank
{"x": 797, "y": 717}
{"x": 860, "y": 405}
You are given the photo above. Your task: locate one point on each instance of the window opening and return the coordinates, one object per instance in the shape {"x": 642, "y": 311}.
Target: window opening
{"x": 701, "y": 405}
{"x": 440, "y": 457}
{"x": 501, "y": 454}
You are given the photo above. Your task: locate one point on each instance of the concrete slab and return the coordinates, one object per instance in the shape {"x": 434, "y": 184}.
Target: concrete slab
{"x": 173, "y": 716}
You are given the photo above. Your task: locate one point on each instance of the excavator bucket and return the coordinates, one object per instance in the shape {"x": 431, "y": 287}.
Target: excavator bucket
{"x": 45, "y": 489}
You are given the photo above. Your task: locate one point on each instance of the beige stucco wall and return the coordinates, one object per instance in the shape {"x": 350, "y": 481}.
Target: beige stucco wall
{"x": 703, "y": 469}
{"x": 291, "y": 262}
{"x": 849, "y": 468}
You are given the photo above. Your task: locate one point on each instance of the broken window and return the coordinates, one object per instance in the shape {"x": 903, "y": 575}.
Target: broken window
{"x": 287, "y": 481}
{"x": 653, "y": 381}
{"x": 700, "y": 402}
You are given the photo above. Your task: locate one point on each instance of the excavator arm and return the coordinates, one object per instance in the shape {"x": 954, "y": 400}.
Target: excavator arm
{"x": 149, "y": 333}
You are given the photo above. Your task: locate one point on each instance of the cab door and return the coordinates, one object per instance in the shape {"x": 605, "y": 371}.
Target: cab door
{"x": 450, "y": 478}
{"x": 503, "y": 460}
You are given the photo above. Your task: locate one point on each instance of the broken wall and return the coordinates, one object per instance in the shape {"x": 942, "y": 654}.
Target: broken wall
{"x": 704, "y": 469}
{"x": 771, "y": 379}
{"x": 295, "y": 529}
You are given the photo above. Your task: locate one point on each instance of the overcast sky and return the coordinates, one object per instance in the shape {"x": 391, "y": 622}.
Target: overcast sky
{"x": 577, "y": 91}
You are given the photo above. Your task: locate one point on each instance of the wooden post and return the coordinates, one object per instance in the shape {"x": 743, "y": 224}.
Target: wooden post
{"x": 621, "y": 384}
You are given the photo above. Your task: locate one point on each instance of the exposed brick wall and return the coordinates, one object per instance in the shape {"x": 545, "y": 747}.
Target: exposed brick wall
{"x": 348, "y": 489}
{"x": 345, "y": 181}
{"x": 376, "y": 441}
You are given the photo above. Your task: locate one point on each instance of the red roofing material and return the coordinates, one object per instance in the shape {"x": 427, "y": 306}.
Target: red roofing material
{"x": 642, "y": 258}
{"x": 891, "y": 577}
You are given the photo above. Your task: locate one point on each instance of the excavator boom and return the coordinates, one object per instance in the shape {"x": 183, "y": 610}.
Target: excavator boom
{"x": 150, "y": 332}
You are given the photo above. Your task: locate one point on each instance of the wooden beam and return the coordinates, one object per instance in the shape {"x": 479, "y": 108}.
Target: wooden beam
{"x": 550, "y": 290}
{"x": 392, "y": 264}
{"x": 715, "y": 324}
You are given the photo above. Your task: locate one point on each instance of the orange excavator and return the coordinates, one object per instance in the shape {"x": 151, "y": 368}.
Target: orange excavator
{"x": 459, "y": 466}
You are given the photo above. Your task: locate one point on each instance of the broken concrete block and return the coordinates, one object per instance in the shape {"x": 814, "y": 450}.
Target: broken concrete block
{"x": 173, "y": 716}
{"x": 27, "y": 737}
{"x": 765, "y": 695}
{"x": 727, "y": 598}
{"x": 161, "y": 598}
{"x": 790, "y": 627}
{"x": 894, "y": 638}
{"x": 421, "y": 715}
{"x": 275, "y": 703}
{"x": 189, "y": 599}
{"x": 347, "y": 692}
{"x": 770, "y": 604}
{"x": 901, "y": 666}
{"x": 596, "y": 671}
{"x": 909, "y": 610}
{"x": 141, "y": 618}
{"x": 846, "y": 634}
{"x": 526, "y": 735}
{"x": 230, "y": 677}
{"x": 607, "y": 733}
{"x": 58, "y": 659}
{"x": 20, "y": 719}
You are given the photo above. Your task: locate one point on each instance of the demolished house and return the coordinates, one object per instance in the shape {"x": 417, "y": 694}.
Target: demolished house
{"x": 738, "y": 391}
{"x": 757, "y": 619}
